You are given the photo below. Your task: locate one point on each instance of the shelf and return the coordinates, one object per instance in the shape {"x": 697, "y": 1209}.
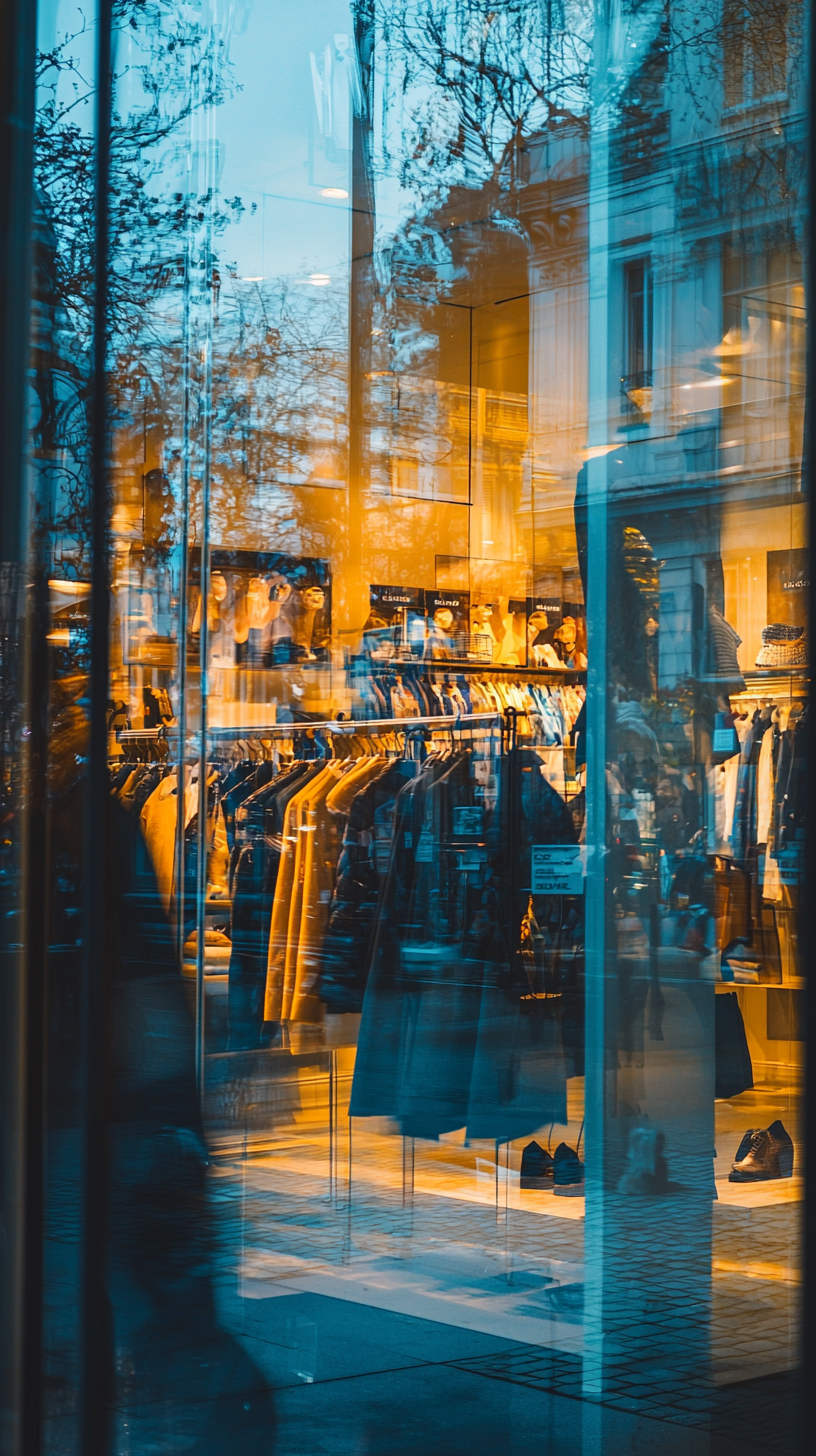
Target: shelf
{"x": 746, "y": 985}
{"x": 795, "y": 983}
{"x": 765, "y": 677}
{"x": 763, "y": 1194}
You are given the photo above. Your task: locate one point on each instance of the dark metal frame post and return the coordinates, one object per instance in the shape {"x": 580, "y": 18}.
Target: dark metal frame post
{"x": 22, "y": 962}
{"x": 808, "y": 889}
{"x": 96, "y": 1350}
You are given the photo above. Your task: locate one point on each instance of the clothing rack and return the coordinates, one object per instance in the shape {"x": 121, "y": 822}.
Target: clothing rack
{"x": 141, "y": 735}
{"x": 351, "y": 726}
{"x": 339, "y": 726}
{"x": 458, "y": 667}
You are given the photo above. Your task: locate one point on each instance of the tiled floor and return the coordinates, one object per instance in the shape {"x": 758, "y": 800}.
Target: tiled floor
{"x": 428, "y": 1303}
{"x": 438, "y": 1234}
{"x": 348, "y": 1378}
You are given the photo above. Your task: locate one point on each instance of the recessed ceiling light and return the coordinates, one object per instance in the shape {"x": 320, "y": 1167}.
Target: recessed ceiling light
{"x": 247, "y": 279}
{"x": 333, "y": 192}
{"x": 319, "y": 280}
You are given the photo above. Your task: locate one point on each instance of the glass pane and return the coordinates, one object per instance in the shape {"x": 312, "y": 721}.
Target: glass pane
{"x": 59, "y": 524}
{"x": 458, "y": 677}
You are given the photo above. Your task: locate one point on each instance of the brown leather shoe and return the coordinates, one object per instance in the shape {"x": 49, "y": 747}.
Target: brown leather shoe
{"x": 769, "y": 1155}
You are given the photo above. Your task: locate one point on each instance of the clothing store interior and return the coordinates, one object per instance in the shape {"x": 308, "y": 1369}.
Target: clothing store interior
{"x": 354, "y": 734}
{"x": 466, "y": 745}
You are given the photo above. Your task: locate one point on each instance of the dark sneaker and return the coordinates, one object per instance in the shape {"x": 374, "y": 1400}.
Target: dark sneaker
{"x": 536, "y": 1167}
{"x": 568, "y": 1173}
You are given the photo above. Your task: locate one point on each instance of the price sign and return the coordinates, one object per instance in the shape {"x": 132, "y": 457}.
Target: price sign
{"x": 557, "y": 869}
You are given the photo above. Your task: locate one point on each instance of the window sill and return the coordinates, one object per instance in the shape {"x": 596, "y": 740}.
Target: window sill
{"x": 750, "y": 108}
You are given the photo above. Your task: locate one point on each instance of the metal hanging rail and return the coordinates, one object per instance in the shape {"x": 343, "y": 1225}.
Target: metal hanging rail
{"x": 141, "y": 735}
{"x": 340, "y": 726}
{"x": 349, "y": 727}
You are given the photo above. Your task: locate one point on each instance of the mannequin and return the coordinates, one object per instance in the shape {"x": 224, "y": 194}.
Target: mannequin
{"x": 221, "y": 606}
{"x": 218, "y": 593}
{"x": 299, "y": 612}
{"x": 566, "y": 638}
{"x": 540, "y": 654}
{"x": 257, "y": 610}
{"x": 482, "y": 631}
{"x": 438, "y": 643}
{"x": 510, "y": 629}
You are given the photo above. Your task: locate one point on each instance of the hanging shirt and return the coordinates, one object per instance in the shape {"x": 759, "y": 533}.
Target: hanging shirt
{"x": 764, "y": 787}
{"x": 322, "y": 821}
{"x": 282, "y": 908}
{"x": 159, "y": 819}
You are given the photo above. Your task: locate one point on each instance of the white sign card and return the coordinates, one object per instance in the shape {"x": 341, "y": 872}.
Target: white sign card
{"x": 557, "y": 869}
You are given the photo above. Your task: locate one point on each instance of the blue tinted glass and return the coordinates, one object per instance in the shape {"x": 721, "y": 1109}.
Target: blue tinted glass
{"x": 438, "y": 866}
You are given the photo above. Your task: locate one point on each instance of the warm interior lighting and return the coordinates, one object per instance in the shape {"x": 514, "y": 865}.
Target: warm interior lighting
{"x": 70, "y": 588}
{"x": 707, "y": 383}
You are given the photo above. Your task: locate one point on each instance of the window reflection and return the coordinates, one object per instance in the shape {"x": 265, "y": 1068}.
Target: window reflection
{"x": 458, "y": 689}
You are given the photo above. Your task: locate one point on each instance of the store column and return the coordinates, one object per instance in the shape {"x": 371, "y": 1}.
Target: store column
{"x": 649, "y": 1089}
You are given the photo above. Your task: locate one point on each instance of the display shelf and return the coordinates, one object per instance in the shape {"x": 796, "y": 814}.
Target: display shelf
{"x": 745, "y": 985}
{"x": 762, "y": 678}
{"x": 762, "y": 1194}
{"x": 793, "y": 983}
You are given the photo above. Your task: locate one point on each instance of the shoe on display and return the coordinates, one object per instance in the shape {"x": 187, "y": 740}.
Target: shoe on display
{"x": 784, "y": 1143}
{"x": 568, "y": 1173}
{"x": 745, "y": 1145}
{"x": 536, "y": 1167}
{"x": 769, "y": 1154}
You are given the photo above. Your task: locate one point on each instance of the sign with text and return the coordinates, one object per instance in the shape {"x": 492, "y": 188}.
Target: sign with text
{"x": 557, "y": 869}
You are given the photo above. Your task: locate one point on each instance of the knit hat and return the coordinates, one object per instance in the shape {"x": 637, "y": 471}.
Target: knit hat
{"x": 783, "y": 646}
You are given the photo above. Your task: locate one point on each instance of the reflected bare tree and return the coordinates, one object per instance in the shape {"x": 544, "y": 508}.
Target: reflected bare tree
{"x": 476, "y": 80}
{"x": 169, "y": 66}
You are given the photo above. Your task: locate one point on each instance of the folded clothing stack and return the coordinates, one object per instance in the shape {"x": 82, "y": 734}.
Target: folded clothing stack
{"x": 783, "y": 646}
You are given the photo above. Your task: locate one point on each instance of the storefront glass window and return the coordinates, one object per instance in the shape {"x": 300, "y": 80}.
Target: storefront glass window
{"x": 408, "y": 632}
